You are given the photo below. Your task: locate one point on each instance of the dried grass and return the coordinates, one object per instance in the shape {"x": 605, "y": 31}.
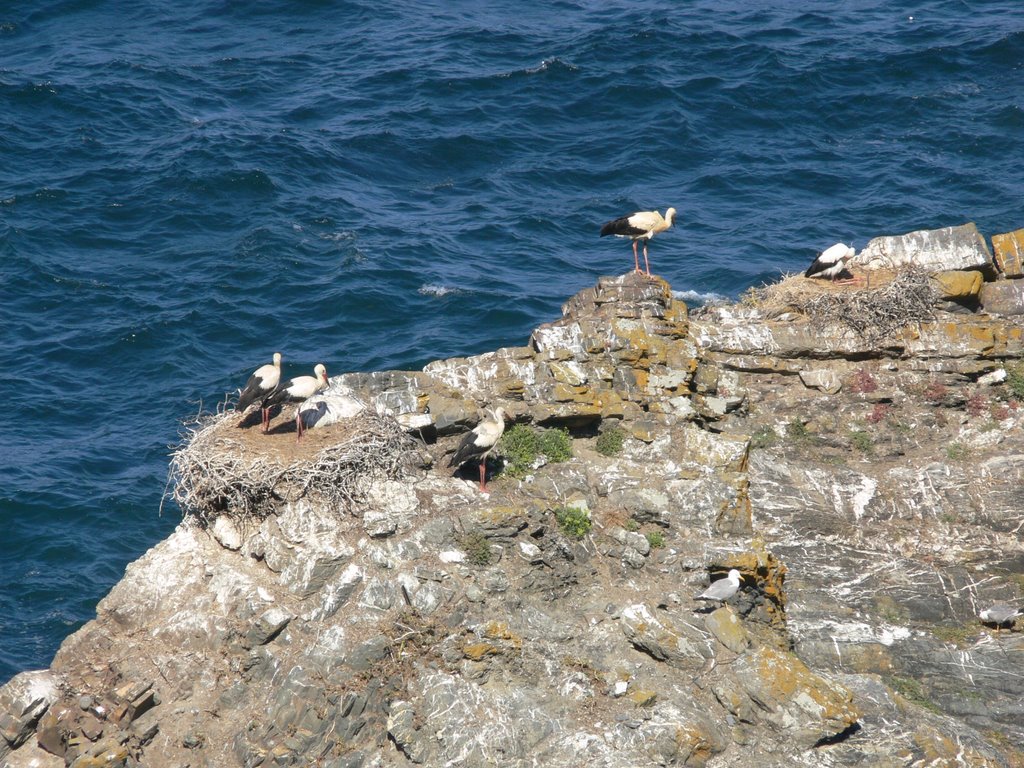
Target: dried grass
{"x": 217, "y": 470}
{"x": 905, "y": 298}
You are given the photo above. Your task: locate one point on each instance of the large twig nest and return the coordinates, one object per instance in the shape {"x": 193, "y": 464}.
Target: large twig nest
{"x": 220, "y": 469}
{"x": 906, "y": 298}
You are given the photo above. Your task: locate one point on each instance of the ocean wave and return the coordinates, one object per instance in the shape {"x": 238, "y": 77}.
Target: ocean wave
{"x": 436, "y": 290}
{"x": 699, "y": 297}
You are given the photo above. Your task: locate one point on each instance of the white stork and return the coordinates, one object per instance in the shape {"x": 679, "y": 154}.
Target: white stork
{"x": 722, "y": 589}
{"x": 298, "y": 389}
{"x": 260, "y": 386}
{"x": 478, "y": 444}
{"x": 642, "y": 225}
{"x": 831, "y": 263}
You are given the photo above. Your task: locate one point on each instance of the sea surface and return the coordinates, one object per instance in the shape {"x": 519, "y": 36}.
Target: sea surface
{"x": 187, "y": 187}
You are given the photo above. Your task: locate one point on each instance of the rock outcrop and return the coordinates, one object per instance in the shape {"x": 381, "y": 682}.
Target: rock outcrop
{"x": 867, "y": 489}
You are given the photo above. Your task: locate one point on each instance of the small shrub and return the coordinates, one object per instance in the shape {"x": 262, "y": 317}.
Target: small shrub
{"x": 935, "y": 392}
{"x": 1015, "y": 380}
{"x": 573, "y": 521}
{"x": 477, "y": 547}
{"x": 878, "y": 413}
{"x": 519, "y": 447}
{"x": 555, "y": 444}
{"x": 977, "y": 404}
{"x": 957, "y": 451}
{"x": 656, "y": 539}
{"x": 764, "y": 437}
{"x": 959, "y": 635}
{"x": 797, "y": 431}
{"x": 631, "y": 525}
{"x": 911, "y": 689}
{"x": 862, "y": 382}
{"x": 862, "y": 441}
{"x": 610, "y": 441}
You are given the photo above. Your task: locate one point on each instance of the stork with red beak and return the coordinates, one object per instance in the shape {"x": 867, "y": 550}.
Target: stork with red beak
{"x": 298, "y": 389}
{"x": 260, "y": 386}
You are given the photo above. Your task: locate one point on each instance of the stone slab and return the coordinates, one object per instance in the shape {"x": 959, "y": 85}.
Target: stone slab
{"x": 961, "y": 247}
{"x": 1008, "y": 253}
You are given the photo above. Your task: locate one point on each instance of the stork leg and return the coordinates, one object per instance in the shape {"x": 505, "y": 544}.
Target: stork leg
{"x": 646, "y": 262}
{"x": 298, "y": 425}
{"x": 483, "y": 476}
{"x": 265, "y": 419}
{"x": 635, "y": 257}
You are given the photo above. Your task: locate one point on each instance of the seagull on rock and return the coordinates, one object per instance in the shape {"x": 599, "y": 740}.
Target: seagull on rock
{"x": 642, "y": 225}
{"x": 722, "y": 589}
{"x": 260, "y": 386}
{"x": 831, "y": 264}
{"x": 478, "y": 443}
{"x": 297, "y": 390}
{"x": 999, "y": 614}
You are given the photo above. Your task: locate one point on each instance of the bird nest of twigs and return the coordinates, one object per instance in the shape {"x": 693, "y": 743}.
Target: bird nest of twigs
{"x": 898, "y": 300}
{"x": 222, "y": 469}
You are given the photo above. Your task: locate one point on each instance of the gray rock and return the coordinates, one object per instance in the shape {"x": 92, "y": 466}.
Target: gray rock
{"x": 934, "y": 250}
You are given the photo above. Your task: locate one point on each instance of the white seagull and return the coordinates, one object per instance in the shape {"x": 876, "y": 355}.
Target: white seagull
{"x": 999, "y": 614}
{"x": 478, "y": 443}
{"x": 260, "y": 386}
{"x": 642, "y": 225}
{"x": 831, "y": 263}
{"x": 298, "y": 389}
{"x": 722, "y": 589}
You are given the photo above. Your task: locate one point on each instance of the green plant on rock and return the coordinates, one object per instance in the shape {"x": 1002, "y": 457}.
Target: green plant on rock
{"x": 1015, "y": 380}
{"x": 797, "y": 431}
{"x": 519, "y": 447}
{"x": 764, "y": 437}
{"x": 523, "y": 445}
{"x": 555, "y": 444}
{"x": 610, "y": 441}
{"x": 960, "y": 635}
{"x": 631, "y": 525}
{"x": 477, "y": 547}
{"x": 656, "y": 539}
{"x": 862, "y": 441}
{"x": 912, "y": 690}
{"x": 957, "y": 451}
{"x": 573, "y": 521}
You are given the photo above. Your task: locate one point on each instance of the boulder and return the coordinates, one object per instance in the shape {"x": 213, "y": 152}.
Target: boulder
{"x": 23, "y": 700}
{"x": 933, "y": 250}
{"x": 1003, "y": 297}
{"x": 958, "y": 285}
{"x": 1008, "y": 253}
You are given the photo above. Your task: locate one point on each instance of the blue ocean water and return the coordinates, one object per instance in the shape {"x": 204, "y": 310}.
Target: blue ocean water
{"x": 187, "y": 187}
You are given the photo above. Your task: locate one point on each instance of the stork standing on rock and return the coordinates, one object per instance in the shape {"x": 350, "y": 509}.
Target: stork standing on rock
{"x": 478, "y": 444}
{"x": 642, "y": 225}
{"x": 260, "y": 386}
{"x": 298, "y": 389}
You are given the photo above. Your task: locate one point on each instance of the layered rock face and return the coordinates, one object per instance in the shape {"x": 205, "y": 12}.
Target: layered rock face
{"x": 868, "y": 492}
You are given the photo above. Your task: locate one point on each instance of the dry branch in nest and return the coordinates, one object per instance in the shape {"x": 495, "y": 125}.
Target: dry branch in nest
{"x": 873, "y": 314}
{"x": 215, "y": 472}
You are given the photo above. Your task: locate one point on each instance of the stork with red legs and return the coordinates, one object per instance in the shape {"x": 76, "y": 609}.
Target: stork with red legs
{"x": 298, "y": 389}
{"x": 642, "y": 225}
{"x": 479, "y": 443}
{"x": 260, "y": 386}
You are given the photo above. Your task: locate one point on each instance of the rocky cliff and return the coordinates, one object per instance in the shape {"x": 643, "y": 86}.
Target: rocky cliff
{"x": 855, "y": 453}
